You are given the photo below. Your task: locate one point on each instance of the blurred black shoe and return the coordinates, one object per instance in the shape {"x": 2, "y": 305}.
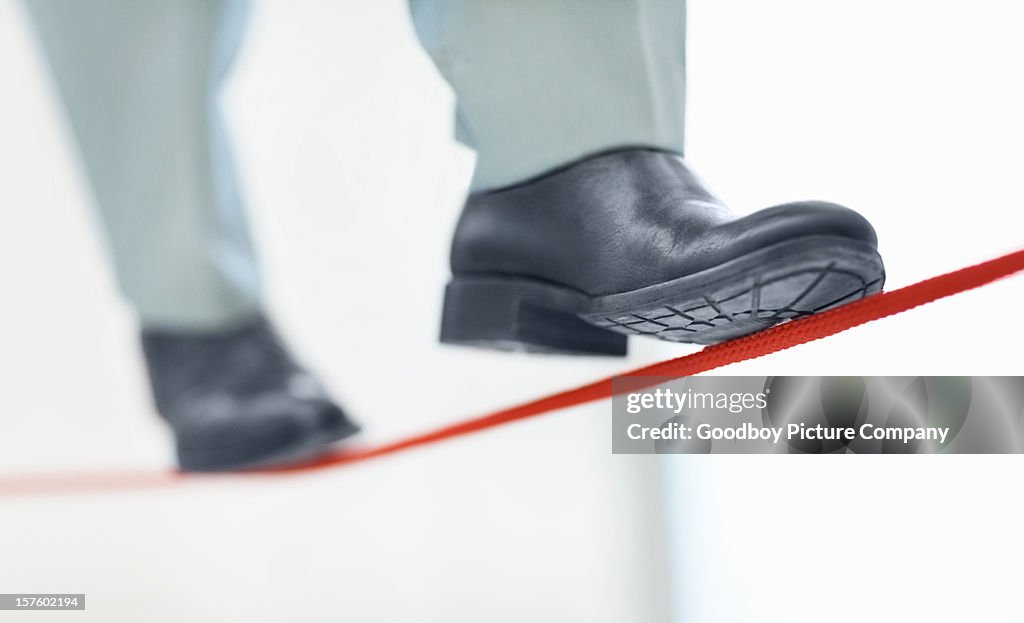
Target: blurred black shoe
{"x": 236, "y": 398}
{"x": 632, "y": 243}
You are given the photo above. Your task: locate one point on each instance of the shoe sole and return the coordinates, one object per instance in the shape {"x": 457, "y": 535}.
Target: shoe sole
{"x": 274, "y": 450}
{"x": 745, "y": 295}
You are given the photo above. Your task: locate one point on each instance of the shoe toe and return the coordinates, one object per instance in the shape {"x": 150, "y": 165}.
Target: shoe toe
{"x": 268, "y": 429}
{"x": 333, "y": 422}
{"x": 805, "y": 219}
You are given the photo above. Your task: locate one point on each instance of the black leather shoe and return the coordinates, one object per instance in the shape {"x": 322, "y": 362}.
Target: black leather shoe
{"x": 632, "y": 243}
{"x": 237, "y": 399}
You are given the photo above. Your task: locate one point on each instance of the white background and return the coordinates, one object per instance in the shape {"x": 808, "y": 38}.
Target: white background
{"x": 907, "y": 111}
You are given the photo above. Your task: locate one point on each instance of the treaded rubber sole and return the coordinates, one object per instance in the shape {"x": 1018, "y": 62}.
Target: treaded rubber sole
{"x": 748, "y": 294}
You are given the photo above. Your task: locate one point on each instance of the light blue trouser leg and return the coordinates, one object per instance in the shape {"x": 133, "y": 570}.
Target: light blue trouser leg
{"x": 140, "y": 80}
{"x": 541, "y": 83}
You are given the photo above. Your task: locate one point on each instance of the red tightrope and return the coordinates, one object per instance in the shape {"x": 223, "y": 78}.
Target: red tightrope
{"x": 777, "y": 338}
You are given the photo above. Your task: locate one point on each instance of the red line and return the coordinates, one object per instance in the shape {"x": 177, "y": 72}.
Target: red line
{"x": 766, "y": 342}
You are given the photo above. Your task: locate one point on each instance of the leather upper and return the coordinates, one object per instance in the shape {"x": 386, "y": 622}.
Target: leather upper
{"x": 624, "y": 220}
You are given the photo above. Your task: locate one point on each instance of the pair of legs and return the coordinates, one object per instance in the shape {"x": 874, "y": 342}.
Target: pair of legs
{"x": 583, "y": 224}
{"x": 539, "y": 84}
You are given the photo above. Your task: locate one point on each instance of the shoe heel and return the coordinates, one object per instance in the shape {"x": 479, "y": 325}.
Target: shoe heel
{"x": 520, "y": 315}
